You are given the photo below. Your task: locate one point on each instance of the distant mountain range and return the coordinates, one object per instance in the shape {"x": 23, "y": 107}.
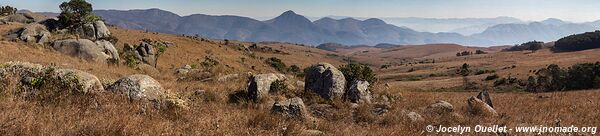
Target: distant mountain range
{"x": 291, "y": 27}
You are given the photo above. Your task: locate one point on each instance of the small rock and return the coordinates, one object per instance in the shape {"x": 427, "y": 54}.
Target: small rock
{"x": 359, "y": 92}
{"x": 228, "y": 77}
{"x": 312, "y": 133}
{"x": 485, "y": 96}
{"x": 137, "y": 87}
{"x": 260, "y": 85}
{"x": 440, "y": 107}
{"x": 293, "y": 108}
{"x": 478, "y": 107}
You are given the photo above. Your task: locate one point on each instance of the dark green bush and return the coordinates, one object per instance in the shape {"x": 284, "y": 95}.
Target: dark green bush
{"x": 576, "y": 77}
{"x": 278, "y": 87}
{"x": 277, "y": 64}
{"x": 532, "y": 45}
{"x": 577, "y": 42}
{"x": 355, "y": 71}
{"x": 492, "y": 77}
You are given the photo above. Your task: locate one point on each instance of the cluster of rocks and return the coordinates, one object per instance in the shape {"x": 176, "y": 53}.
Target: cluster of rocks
{"x": 322, "y": 79}
{"x": 93, "y": 42}
{"x": 147, "y": 51}
{"x": 26, "y": 79}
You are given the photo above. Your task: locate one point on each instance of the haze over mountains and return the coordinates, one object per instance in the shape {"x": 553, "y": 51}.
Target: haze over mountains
{"x": 292, "y": 27}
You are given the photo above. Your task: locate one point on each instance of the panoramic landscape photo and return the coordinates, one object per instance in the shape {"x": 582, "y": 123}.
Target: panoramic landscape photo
{"x": 299, "y": 67}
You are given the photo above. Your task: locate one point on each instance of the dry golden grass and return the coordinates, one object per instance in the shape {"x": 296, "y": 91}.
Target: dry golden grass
{"x": 210, "y": 113}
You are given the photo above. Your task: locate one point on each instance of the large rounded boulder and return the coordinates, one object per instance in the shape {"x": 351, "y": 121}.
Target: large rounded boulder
{"x": 139, "y": 87}
{"x": 34, "y": 33}
{"x": 86, "y": 49}
{"x": 260, "y": 85}
{"x": 26, "y": 79}
{"x": 325, "y": 80}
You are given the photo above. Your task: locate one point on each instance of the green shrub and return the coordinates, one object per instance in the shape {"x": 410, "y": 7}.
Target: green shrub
{"x": 277, "y": 64}
{"x": 464, "y": 70}
{"x": 131, "y": 61}
{"x": 532, "y": 45}
{"x": 355, "y": 71}
{"x": 278, "y": 87}
{"x": 209, "y": 62}
{"x": 492, "y": 77}
{"x": 296, "y": 70}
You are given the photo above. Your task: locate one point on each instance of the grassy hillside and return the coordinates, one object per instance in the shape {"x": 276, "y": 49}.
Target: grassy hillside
{"x": 412, "y": 80}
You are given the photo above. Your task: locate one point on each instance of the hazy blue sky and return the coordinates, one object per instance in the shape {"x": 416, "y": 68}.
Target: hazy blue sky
{"x": 572, "y": 10}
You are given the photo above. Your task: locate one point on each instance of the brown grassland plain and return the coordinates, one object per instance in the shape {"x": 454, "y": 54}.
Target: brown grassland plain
{"x": 213, "y": 115}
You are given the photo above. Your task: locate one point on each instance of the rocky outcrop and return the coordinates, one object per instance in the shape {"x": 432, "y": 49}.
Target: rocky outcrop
{"x": 359, "y": 92}
{"x": 21, "y": 18}
{"x": 93, "y": 31}
{"x": 260, "y": 85}
{"x": 325, "y": 80}
{"x": 30, "y": 78}
{"x": 479, "y": 108}
{"x": 34, "y": 33}
{"x": 86, "y": 49}
{"x": 443, "y": 112}
{"x": 139, "y": 87}
{"x": 145, "y": 52}
{"x": 292, "y": 108}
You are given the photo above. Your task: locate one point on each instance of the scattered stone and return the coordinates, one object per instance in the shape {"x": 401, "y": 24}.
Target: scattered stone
{"x": 439, "y": 108}
{"x": 260, "y": 85}
{"x": 184, "y": 70}
{"x": 325, "y": 80}
{"x": 312, "y": 133}
{"x": 292, "y": 108}
{"x": 412, "y": 116}
{"x": 478, "y": 107}
{"x": 86, "y": 49}
{"x": 485, "y": 96}
{"x": 359, "y": 92}
{"x": 228, "y": 77}
{"x": 137, "y": 87}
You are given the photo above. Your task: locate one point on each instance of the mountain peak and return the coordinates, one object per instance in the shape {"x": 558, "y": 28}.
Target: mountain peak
{"x": 289, "y": 12}
{"x": 374, "y": 21}
{"x": 289, "y": 17}
{"x": 553, "y": 21}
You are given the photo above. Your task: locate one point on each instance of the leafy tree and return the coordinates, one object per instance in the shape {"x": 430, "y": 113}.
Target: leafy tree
{"x": 277, "y": 64}
{"x": 355, "y": 71}
{"x": 76, "y": 13}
